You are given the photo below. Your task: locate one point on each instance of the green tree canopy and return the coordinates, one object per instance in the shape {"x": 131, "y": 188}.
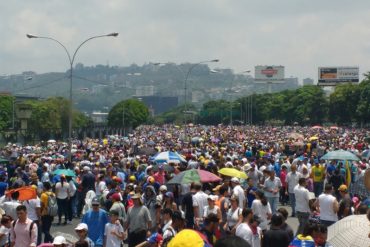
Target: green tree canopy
{"x": 129, "y": 112}
{"x": 6, "y": 106}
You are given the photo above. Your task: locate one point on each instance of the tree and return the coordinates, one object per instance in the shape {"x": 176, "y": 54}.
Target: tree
{"x": 344, "y": 103}
{"x": 363, "y": 106}
{"x": 129, "y": 112}
{"x": 6, "y": 112}
{"x": 215, "y": 112}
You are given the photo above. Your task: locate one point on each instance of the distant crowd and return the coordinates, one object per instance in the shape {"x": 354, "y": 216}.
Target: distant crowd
{"x": 123, "y": 193}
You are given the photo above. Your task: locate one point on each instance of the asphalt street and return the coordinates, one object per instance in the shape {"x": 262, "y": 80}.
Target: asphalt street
{"x": 68, "y": 230}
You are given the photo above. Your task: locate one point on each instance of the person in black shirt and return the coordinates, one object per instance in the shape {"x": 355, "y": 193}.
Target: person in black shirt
{"x": 285, "y": 226}
{"x": 210, "y": 226}
{"x": 276, "y": 237}
{"x": 187, "y": 206}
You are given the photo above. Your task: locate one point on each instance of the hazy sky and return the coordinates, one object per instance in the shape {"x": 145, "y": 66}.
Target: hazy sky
{"x": 301, "y": 35}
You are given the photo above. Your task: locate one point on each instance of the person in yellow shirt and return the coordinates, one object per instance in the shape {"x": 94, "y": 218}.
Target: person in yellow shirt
{"x": 46, "y": 218}
{"x": 318, "y": 175}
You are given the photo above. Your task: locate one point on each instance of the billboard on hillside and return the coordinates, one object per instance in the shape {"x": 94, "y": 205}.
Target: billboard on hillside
{"x": 269, "y": 74}
{"x": 331, "y": 76}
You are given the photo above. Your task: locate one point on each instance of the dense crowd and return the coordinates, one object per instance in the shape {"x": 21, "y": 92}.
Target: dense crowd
{"x": 122, "y": 194}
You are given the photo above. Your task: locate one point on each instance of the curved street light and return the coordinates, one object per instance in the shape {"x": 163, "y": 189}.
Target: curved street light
{"x": 71, "y": 60}
{"x": 185, "y": 90}
{"x": 185, "y": 86}
{"x": 230, "y": 93}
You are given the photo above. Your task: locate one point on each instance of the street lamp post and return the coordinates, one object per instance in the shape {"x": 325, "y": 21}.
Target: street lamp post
{"x": 185, "y": 86}
{"x": 230, "y": 93}
{"x": 71, "y": 60}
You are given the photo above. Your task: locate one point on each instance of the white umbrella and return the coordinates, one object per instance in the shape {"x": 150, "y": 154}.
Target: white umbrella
{"x": 351, "y": 231}
{"x": 52, "y": 141}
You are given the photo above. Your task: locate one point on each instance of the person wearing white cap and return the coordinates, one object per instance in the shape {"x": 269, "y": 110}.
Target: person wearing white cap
{"x": 82, "y": 230}
{"x": 60, "y": 241}
{"x": 211, "y": 208}
{"x": 238, "y": 191}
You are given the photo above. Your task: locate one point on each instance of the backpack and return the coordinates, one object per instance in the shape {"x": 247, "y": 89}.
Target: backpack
{"x": 52, "y": 208}
{"x": 31, "y": 227}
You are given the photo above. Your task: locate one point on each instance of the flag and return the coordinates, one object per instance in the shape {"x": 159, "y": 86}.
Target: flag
{"x": 348, "y": 174}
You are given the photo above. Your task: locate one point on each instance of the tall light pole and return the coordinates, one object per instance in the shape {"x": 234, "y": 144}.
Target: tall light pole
{"x": 71, "y": 60}
{"x": 230, "y": 93}
{"x": 185, "y": 86}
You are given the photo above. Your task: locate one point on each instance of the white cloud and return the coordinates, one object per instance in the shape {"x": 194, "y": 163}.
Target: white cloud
{"x": 298, "y": 34}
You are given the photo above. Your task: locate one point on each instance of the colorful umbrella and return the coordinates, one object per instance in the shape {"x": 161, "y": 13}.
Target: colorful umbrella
{"x": 350, "y": 231}
{"x": 232, "y": 172}
{"x": 295, "y": 135}
{"x": 65, "y": 172}
{"x": 366, "y": 154}
{"x": 313, "y": 138}
{"x": 194, "y": 175}
{"x": 316, "y": 127}
{"x": 168, "y": 157}
{"x": 339, "y": 155}
{"x": 25, "y": 193}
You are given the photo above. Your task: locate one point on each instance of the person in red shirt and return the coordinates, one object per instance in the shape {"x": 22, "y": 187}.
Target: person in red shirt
{"x": 283, "y": 197}
{"x": 159, "y": 176}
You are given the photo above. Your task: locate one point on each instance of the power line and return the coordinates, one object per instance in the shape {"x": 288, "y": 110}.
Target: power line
{"x": 40, "y": 85}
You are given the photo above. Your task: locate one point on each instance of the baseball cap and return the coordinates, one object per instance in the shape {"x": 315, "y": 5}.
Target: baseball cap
{"x": 343, "y": 188}
{"x": 163, "y": 188}
{"x": 95, "y": 201}
{"x": 82, "y": 226}
{"x": 212, "y": 197}
{"x": 217, "y": 188}
{"x": 59, "y": 240}
{"x": 116, "y": 197}
{"x": 235, "y": 180}
{"x": 169, "y": 194}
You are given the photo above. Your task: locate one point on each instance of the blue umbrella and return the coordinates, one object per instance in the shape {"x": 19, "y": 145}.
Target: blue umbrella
{"x": 366, "y": 154}
{"x": 168, "y": 157}
{"x": 339, "y": 155}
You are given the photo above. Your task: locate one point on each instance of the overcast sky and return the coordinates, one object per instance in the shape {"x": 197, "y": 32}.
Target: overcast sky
{"x": 299, "y": 34}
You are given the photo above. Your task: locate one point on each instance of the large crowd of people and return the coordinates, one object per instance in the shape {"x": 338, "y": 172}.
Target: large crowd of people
{"x": 121, "y": 194}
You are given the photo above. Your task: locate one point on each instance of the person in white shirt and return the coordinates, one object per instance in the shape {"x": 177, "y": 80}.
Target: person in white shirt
{"x": 6, "y": 225}
{"x": 34, "y": 213}
{"x": 166, "y": 218}
{"x": 272, "y": 187}
{"x": 72, "y": 204}
{"x": 113, "y": 233}
{"x": 328, "y": 206}
{"x": 100, "y": 186}
{"x": 243, "y": 230}
{"x": 238, "y": 191}
{"x": 302, "y": 207}
{"x": 62, "y": 195}
{"x": 10, "y": 207}
{"x": 292, "y": 181}
{"x": 261, "y": 208}
{"x": 249, "y": 229}
{"x": 200, "y": 200}
{"x": 211, "y": 208}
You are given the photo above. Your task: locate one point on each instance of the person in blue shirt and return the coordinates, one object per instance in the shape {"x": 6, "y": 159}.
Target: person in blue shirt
{"x": 3, "y": 185}
{"x": 96, "y": 219}
{"x": 250, "y": 192}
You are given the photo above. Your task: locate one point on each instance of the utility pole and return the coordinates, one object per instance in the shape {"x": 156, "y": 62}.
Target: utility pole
{"x": 123, "y": 121}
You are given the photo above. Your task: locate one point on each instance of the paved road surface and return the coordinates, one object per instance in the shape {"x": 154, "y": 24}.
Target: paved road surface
{"x": 69, "y": 233}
